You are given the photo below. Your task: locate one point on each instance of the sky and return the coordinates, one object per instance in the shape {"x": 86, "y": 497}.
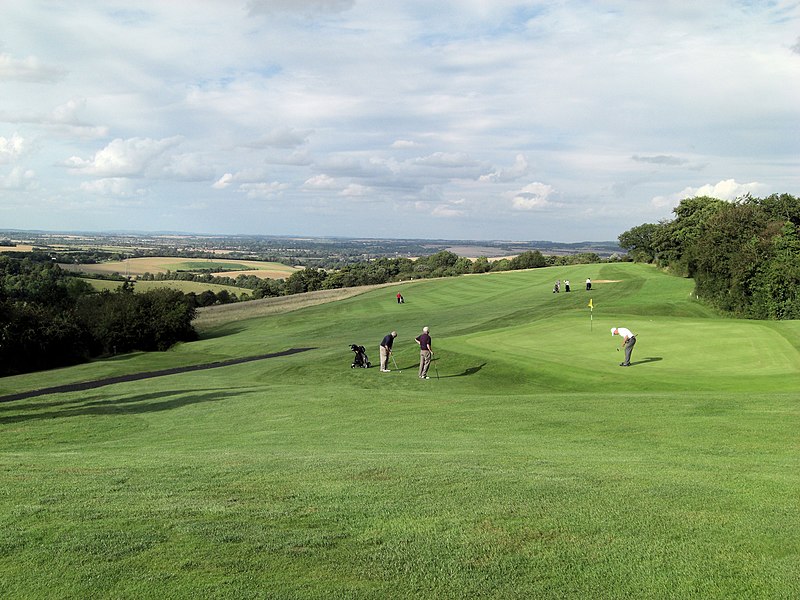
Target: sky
{"x": 562, "y": 120}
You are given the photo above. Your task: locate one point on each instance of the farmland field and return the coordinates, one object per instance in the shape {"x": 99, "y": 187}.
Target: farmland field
{"x": 529, "y": 466}
{"x": 183, "y": 286}
{"x": 230, "y": 268}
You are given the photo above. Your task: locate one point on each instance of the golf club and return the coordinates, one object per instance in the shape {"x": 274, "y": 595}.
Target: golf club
{"x": 435, "y": 368}
{"x": 395, "y": 363}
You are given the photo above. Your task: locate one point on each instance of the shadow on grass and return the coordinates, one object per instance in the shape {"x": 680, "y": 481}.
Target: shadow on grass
{"x": 649, "y": 359}
{"x": 127, "y": 405}
{"x": 470, "y": 371}
{"x": 88, "y": 385}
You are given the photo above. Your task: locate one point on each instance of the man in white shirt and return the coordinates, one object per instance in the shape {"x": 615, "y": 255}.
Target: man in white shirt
{"x": 628, "y": 342}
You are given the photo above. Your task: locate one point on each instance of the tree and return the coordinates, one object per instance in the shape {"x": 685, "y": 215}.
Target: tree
{"x": 639, "y": 242}
{"x": 673, "y": 242}
{"x": 481, "y": 265}
{"x": 531, "y": 259}
{"x": 307, "y": 280}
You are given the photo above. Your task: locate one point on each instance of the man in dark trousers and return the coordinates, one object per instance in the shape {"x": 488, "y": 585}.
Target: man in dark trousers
{"x": 425, "y": 353}
{"x": 386, "y": 350}
{"x": 628, "y": 342}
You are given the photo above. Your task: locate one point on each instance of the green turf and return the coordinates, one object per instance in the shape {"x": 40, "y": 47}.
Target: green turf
{"x": 533, "y": 467}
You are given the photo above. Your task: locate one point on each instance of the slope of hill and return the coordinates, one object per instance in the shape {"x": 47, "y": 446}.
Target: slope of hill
{"x": 530, "y": 466}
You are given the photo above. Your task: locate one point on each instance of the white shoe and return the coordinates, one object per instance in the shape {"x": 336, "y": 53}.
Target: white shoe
{"x": 385, "y": 371}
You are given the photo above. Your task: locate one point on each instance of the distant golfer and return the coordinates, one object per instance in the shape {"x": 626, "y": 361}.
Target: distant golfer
{"x": 628, "y": 342}
{"x": 588, "y": 284}
{"x": 566, "y": 285}
{"x": 386, "y": 350}
{"x": 425, "y": 353}
{"x": 400, "y": 299}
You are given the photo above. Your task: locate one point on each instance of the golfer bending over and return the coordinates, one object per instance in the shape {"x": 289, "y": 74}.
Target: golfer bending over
{"x": 628, "y": 342}
{"x": 386, "y": 350}
{"x": 425, "y": 353}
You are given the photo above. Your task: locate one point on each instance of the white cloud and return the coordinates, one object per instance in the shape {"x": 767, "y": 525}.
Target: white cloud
{"x": 19, "y": 179}
{"x": 534, "y": 196}
{"x": 728, "y": 189}
{"x": 355, "y": 190}
{"x": 119, "y": 187}
{"x": 12, "y": 148}
{"x": 263, "y": 189}
{"x": 404, "y": 144}
{"x": 223, "y": 182}
{"x": 27, "y": 69}
{"x": 282, "y": 137}
{"x": 517, "y": 171}
{"x": 321, "y": 182}
{"x": 124, "y": 158}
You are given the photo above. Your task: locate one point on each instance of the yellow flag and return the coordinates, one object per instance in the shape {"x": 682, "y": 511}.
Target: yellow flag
{"x": 590, "y": 304}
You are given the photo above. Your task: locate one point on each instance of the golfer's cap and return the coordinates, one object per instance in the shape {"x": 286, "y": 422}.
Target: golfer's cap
{"x": 613, "y": 330}
{"x": 424, "y": 330}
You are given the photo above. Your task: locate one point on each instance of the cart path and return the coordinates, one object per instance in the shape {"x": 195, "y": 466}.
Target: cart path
{"x": 89, "y": 385}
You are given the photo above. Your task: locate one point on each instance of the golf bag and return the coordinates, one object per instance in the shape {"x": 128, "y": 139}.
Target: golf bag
{"x": 360, "y": 359}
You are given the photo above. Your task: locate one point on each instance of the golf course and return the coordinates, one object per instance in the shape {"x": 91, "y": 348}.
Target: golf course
{"x": 530, "y": 465}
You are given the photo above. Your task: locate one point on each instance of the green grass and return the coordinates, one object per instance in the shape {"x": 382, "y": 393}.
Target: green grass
{"x": 534, "y": 467}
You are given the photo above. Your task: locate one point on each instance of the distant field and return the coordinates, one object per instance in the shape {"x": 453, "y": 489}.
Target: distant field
{"x": 183, "y": 286}
{"x": 17, "y": 248}
{"x": 140, "y": 266}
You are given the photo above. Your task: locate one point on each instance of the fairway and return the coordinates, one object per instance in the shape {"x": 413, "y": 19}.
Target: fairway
{"x": 530, "y": 465}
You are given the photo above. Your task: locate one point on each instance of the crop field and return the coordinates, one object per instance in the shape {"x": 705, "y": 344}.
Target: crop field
{"x": 530, "y": 465}
{"x": 229, "y": 267}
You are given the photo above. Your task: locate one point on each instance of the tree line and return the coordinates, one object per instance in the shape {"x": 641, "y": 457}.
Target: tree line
{"x": 50, "y": 319}
{"x": 744, "y": 255}
{"x": 381, "y": 270}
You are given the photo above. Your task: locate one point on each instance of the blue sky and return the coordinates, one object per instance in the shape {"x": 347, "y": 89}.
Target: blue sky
{"x": 565, "y": 120}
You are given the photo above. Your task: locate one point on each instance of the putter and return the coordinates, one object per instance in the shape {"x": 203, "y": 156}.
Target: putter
{"x": 395, "y": 364}
{"x": 435, "y": 368}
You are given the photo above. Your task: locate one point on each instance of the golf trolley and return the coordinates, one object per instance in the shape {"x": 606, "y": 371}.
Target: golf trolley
{"x": 360, "y": 359}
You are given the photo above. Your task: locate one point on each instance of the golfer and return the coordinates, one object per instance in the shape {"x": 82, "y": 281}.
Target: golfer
{"x": 425, "y": 353}
{"x": 628, "y": 342}
{"x": 386, "y": 350}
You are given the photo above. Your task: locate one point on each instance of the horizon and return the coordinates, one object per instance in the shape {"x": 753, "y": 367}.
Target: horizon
{"x": 134, "y": 233}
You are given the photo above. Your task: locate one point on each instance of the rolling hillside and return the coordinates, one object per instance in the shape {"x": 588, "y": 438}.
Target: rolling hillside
{"x": 530, "y": 466}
